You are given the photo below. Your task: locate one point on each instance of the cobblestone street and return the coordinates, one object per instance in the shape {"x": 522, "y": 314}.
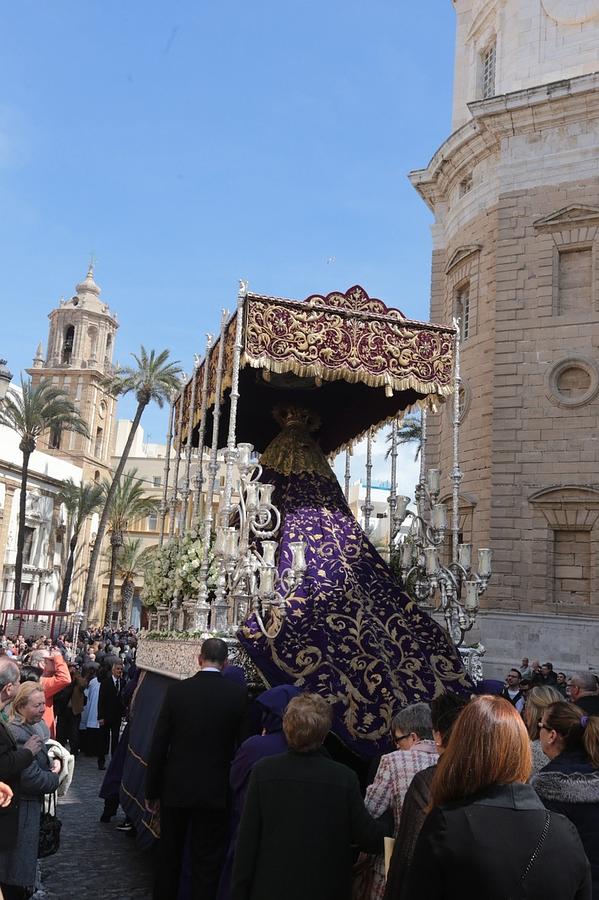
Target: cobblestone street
{"x": 94, "y": 858}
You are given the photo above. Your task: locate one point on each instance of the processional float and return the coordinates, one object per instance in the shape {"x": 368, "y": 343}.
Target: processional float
{"x": 286, "y": 568}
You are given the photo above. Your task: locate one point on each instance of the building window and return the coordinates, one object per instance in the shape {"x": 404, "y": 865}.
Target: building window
{"x": 153, "y": 522}
{"x": 487, "y": 60}
{"x": 157, "y": 480}
{"x": 67, "y": 347}
{"x": 575, "y": 280}
{"x": 99, "y": 439}
{"x": 572, "y": 567}
{"x": 55, "y": 435}
{"x": 28, "y": 544}
{"x": 462, "y": 309}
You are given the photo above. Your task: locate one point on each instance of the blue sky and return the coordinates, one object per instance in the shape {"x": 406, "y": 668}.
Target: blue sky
{"x": 189, "y": 144}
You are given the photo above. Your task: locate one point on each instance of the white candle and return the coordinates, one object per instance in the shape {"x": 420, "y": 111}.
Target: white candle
{"x": 298, "y": 556}
{"x": 266, "y": 494}
{"x": 434, "y": 481}
{"x": 465, "y": 555}
{"x": 402, "y": 507}
{"x": 251, "y": 495}
{"x": 439, "y": 516}
{"x": 269, "y": 549}
{"x": 267, "y": 581}
{"x": 471, "y": 602}
{"x": 485, "y": 556}
{"x": 231, "y": 543}
{"x": 219, "y": 543}
{"x": 431, "y": 561}
{"x": 406, "y": 555}
{"x": 244, "y": 454}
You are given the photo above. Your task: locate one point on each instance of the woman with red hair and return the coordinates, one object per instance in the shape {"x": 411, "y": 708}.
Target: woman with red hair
{"x": 488, "y": 834}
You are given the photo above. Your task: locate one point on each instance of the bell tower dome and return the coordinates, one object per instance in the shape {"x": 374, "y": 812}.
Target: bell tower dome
{"x": 79, "y": 356}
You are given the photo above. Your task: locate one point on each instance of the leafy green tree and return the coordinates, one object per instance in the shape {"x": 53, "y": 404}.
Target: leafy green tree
{"x": 128, "y": 503}
{"x": 132, "y": 561}
{"x": 31, "y": 413}
{"x": 81, "y": 501}
{"x": 153, "y": 378}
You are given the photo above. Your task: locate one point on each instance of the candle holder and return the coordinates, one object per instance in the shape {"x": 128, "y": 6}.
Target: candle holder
{"x": 245, "y": 551}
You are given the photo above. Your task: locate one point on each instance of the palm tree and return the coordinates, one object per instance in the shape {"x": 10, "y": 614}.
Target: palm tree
{"x": 128, "y": 502}
{"x": 409, "y": 432}
{"x": 131, "y": 562}
{"x": 31, "y": 413}
{"x": 153, "y": 378}
{"x": 81, "y": 501}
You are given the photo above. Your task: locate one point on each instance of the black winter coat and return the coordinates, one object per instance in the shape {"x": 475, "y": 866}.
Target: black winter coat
{"x": 480, "y": 847}
{"x": 569, "y": 784}
{"x": 202, "y": 721}
{"x": 303, "y": 812}
{"x": 13, "y": 761}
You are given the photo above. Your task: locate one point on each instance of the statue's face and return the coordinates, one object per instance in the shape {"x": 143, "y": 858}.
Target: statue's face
{"x": 571, "y": 12}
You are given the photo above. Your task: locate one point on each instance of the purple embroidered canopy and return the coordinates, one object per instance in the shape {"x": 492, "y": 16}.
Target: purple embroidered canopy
{"x": 351, "y": 359}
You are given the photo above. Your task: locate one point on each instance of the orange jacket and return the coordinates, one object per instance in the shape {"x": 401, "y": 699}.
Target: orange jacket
{"x": 52, "y": 684}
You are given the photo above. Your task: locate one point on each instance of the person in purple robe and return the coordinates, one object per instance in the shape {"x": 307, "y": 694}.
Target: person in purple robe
{"x": 351, "y": 634}
{"x": 272, "y": 741}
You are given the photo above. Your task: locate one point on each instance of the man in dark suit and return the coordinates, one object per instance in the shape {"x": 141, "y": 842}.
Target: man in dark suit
{"x": 110, "y": 710}
{"x": 202, "y": 721}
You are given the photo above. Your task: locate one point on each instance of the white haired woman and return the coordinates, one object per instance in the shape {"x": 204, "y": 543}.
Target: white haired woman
{"x": 18, "y": 866}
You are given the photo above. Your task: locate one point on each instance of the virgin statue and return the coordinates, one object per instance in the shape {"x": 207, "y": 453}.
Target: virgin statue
{"x": 351, "y": 634}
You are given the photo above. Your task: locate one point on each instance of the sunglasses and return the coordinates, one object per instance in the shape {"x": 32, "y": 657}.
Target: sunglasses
{"x": 542, "y": 725}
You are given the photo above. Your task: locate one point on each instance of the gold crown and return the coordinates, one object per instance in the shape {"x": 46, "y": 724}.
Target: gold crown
{"x": 296, "y": 415}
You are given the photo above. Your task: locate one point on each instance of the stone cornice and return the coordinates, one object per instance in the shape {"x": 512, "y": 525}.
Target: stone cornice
{"x": 520, "y": 112}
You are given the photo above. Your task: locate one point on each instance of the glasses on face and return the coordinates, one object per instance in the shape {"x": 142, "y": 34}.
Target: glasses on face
{"x": 398, "y": 738}
{"x": 542, "y": 725}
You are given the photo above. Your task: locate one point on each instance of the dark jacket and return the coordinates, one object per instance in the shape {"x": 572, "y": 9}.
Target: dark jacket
{"x": 413, "y": 815}
{"x": 202, "y": 721}
{"x": 590, "y": 704}
{"x": 480, "y": 847}
{"x": 569, "y": 784}
{"x": 303, "y": 812}
{"x": 110, "y": 702}
{"x": 12, "y": 762}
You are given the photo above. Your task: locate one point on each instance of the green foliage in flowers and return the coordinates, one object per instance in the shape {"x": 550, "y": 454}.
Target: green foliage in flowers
{"x": 174, "y": 569}
{"x": 184, "y": 635}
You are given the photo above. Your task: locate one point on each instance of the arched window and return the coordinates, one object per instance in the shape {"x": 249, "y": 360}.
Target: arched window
{"x": 108, "y": 355}
{"x": 67, "y": 347}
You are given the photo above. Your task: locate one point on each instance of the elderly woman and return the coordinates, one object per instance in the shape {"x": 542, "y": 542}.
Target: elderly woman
{"x": 303, "y": 812}
{"x": 412, "y": 733}
{"x": 18, "y": 866}
{"x": 537, "y": 701}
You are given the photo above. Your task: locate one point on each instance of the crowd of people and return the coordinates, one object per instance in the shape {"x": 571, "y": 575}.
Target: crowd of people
{"x": 472, "y": 807}
{"x": 56, "y": 701}
{"x": 493, "y": 795}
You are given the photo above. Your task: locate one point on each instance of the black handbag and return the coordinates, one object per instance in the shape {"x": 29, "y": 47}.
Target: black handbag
{"x": 50, "y": 825}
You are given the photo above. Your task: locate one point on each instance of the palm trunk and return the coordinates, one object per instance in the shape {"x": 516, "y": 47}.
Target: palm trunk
{"x": 127, "y": 594}
{"x": 114, "y": 552}
{"x": 68, "y": 573}
{"x": 21, "y": 531}
{"x": 93, "y": 562}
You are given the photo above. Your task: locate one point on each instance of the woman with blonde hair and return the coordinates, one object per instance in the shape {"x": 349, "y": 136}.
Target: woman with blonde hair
{"x": 569, "y": 783}
{"x": 18, "y": 865}
{"x": 488, "y": 835}
{"x": 537, "y": 701}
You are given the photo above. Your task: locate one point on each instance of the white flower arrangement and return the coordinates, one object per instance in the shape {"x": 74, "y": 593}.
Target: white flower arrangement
{"x": 174, "y": 569}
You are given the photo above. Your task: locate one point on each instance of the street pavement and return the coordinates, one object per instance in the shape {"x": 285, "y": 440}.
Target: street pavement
{"x": 94, "y": 860}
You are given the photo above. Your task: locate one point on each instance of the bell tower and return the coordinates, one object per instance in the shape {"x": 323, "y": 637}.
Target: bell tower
{"x": 78, "y": 358}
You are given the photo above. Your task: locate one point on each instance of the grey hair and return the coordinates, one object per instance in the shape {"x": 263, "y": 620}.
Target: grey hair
{"x": 586, "y": 681}
{"x": 415, "y": 718}
{"x": 9, "y": 673}
{"x": 36, "y": 657}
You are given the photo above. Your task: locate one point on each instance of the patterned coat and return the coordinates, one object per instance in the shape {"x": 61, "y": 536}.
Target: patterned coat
{"x": 394, "y": 775}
